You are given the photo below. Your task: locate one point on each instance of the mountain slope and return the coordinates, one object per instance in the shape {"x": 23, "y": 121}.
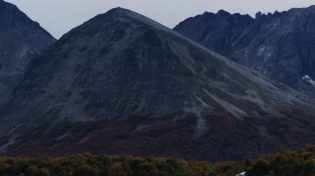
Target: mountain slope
{"x": 124, "y": 84}
{"x": 21, "y": 40}
{"x": 279, "y": 45}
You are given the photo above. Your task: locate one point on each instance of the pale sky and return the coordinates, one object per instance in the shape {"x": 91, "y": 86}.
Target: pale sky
{"x": 60, "y": 16}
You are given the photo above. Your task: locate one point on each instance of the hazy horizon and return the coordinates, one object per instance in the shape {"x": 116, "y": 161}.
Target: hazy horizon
{"x": 59, "y": 16}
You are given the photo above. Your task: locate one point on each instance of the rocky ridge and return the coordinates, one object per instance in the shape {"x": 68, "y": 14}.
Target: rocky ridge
{"x": 279, "y": 45}
{"x": 21, "y": 41}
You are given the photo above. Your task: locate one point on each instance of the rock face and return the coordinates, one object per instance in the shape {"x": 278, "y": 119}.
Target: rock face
{"x": 221, "y": 32}
{"x": 124, "y": 84}
{"x": 279, "y": 45}
{"x": 21, "y": 40}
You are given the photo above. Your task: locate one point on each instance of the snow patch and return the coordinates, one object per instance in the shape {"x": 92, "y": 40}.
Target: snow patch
{"x": 308, "y": 79}
{"x": 241, "y": 174}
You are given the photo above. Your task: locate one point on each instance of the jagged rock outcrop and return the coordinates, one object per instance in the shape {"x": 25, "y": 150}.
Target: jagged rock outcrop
{"x": 279, "y": 45}
{"x": 123, "y": 84}
{"x": 21, "y": 40}
{"x": 221, "y": 32}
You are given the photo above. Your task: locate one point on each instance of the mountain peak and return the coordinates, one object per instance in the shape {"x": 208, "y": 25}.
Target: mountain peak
{"x": 120, "y": 15}
{"x": 119, "y": 11}
{"x": 258, "y": 14}
{"x": 7, "y": 8}
{"x": 223, "y": 13}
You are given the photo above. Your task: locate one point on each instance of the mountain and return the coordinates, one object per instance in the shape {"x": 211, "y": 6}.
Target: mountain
{"x": 21, "y": 40}
{"x": 123, "y": 84}
{"x": 279, "y": 45}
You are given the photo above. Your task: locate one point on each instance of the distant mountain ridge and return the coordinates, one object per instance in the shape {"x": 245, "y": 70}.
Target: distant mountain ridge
{"x": 21, "y": 41}
{"x": 279, "y": 45}
{"x": 123, "y": 84}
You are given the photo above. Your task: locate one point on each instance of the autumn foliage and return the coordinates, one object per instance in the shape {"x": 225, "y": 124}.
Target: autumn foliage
{"x": 286, "y": 163}
{"x": 226, "y": 139}
{"x": 89, "y": 165}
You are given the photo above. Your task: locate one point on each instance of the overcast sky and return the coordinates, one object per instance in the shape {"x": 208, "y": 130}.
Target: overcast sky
{"x": 59, "y": 16}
